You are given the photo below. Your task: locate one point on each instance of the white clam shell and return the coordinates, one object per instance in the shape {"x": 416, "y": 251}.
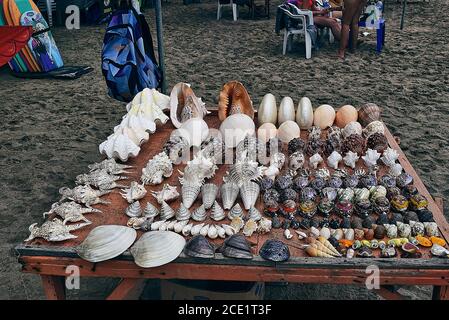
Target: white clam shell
{"x": 266, "y": 132}
{"x": 194, "y": 130}
{"x": 156, "y": 248}
{"x": 267, "y": 110}
{"x": 304, "y": 114}
{"x": 106, "y": 242}
{"x": 286, "y": 110}
{"x": 119, "y": 146}
{"x": 235, "y": 128}
{"x": 288, "y": 131}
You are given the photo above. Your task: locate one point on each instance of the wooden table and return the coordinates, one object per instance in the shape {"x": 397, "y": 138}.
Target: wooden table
{"x": 50, "y": 260}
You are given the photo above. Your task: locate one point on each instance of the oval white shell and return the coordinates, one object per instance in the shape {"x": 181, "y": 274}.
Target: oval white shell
{"x": 266, "y": 132}
{"x": 288, "y": 131}
{"x": 106, "y": 242}
{"x": 324, "y": 116}
{"x": 304, "y": 114}
{"x": 268, "y": 110}
{"x": 157, "y": 248}
{"x": 194, "y": 130}
{"x": 235, "y": 128}
{"x": 286, "y": 110}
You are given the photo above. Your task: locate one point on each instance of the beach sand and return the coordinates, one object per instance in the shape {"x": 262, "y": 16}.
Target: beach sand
{"x": 51, "y": 129}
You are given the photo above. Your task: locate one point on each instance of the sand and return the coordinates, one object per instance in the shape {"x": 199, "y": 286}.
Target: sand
{"x": 51, "y": 129}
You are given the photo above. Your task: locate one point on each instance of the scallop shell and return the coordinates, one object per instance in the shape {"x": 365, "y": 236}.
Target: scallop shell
{"x": 267, "y": 110}
{"x": 304, "y": 113}
{"x": 199, "y": 214}
{"x": 371, "y": 157}
{"x": 236, "y": 211}
{"x": 266, "y": 132}
{"x": 288, "y": 131}
{"x": 189, "y": 194}
{"x": 324, "y": 116}
{"x": 209, "y": 192}
{"x": 345, "y": 115}
{"x": 106, "y": 242}
{"x": 350, "y": 159}
{"x": 249, "y": 192}
{"x": 217, "y": 213}
{"x": 234, "y": 99}
{"x": 368, "y": 113}
{"x": 182, "y": 213}
{"x": 156, "y": 248}
{"x": 254, "y": 214}
{"x": 134, "y": 210}
{"x": 135, "y": 192}
{"x": 351, "y": 128}
{"x": 334, "y": 159}
{"x": 235, "y": 128}
{"x": 229, "y": 193}
{"x": 315, "y": 160}
{"x": 166, "y": 211}
{"x": 286, "y": 110}
{"x": 194, "y": 131}
{"x": 150, "y": 211}
{"x": 389, "y": 157}
{"x": 184, "y": 105}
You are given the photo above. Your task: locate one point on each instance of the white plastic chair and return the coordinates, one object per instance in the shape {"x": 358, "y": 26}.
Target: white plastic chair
{"x": 304, "y": 18}
{"x": 235, "y": 11}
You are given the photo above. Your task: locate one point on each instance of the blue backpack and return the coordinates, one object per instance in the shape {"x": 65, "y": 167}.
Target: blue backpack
{"x": 128, "y": 61}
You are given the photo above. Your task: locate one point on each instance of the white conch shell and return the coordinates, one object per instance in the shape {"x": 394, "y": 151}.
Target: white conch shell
{"x": 135, "y": 192}
{"x": 389, "y": 157}
{"x": 235, "y": 128}
{"x": 193, "y": 107}
{"x": 304, "y": 114}
{"x": 267, "y": 110}
{"x": 395, "y": 170}
{"x": 286, "y": 110}
{"x": 119, "y": 146}
{"x": 158, "y": 168}
{"x": 371, "y": 157}
{"x": 350, "y": 159}
{"x": 353, "y": 127}
{"x": 194, "y": 131}
{"x": 315, "y": 160}
{"x": 334, "y": 159}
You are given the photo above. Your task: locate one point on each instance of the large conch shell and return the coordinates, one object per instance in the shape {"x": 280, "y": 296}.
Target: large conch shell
{"x": 185, "y": 105}
{"x": 234, "y": 99}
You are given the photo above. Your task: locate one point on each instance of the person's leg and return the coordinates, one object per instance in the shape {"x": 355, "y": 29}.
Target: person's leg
{"x": 328, "y": 23}
{"x": 355, "y": 24}
{"x": 350, "y": 8}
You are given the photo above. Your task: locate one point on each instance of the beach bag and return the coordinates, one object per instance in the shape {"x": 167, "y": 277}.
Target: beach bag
{"x": 128, "y": 61}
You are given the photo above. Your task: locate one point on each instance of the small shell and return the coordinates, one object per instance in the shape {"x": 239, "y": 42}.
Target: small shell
{"x": 350, "y": 253}
{"x": 286, "y": 110}
{"x": 266, "y": 132}
{"x": 395, "y": 170}
{"x": 217, "y": 213}
{"x": 212, "y": 232}
{"x": 350, "y": 159}
{"x": 325, "y": 232}
{"x": 404, "y": 230}
{"x": 314, "y": 232}
{"x": 304, "y": 113}
{"x": 150, "y": 211}
{"x": 156, "y": 225}
{"x": 205, "y": 230}
{"x": 371, "y": 157}
{"x": 288, "y": 131}
{"x": 249, "y": 192}
{"x": 368, "y": 113}
{"x": 254, "y": 214}
{"x": 249, "y": 228}
{"x": 221, "y": 231}
{"x": 182, "y": 213}
{"x": 349, "y": 234}
{"x": 351, "y": 128}
{"x": 229, "y": 230}
{"x": 392, "y": 230}
{"x": 265, "y": 225}
{"x": 431, "y": 229}
{"x": 199, "y": 214}
{"x": 171, "y": 225}
{"x": 237, "y": 223}
{"x": 189, "y": 194}
{"x": 179, "y": 226}
{"x": 166, "y": 211}
{"x": 374, "y": 127}
{"x": 315, "y": 160}
{"x": 187, "y": 229}
{"x": 439, "y": 251}
{"x": 334, "y": 159}
{"x": 135, "y": 192}
{"x": 134, "y": 210}
{"x": 236, "y": 211}
{"x": 287, "y": 234}
{"x": 209, "y": 192}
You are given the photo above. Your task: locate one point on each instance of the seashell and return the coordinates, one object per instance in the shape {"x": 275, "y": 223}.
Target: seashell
{"x": 438, "y": 241}
{"x": 166, "y": 211}
{"x": 334, "y": 159}
{"x": 176, "y": 148}
{"x": 399, "y": 203}
{"x": 234, "y": 99}
{"x": 365, "y": 252}
{"x": 388, "y": 252}
{"x": 199, "y": 247}
{"x": 119, "y": 146}
{"x": 439, "y": 251}
{"x": 237, "y": 247}
{"x": 237, "y": 223}
{"x": 423, "y": 241}
{"x": 167, "y": 193}
{"x": 287, "y": 234}
{"x": 315, "y": 160}
{"x": 286, "y": 110}
{"x": 138, "y": 222}
{"x": 325, "y": 232}
{"x": 350, "y": 253}
{"x": 324, "y": 245}
{"x": 374, "y": 127}
{"x": 196, "y": 229}
{"x": 171, "y": 225}
{"x": 267, "y": 110}
{"x": 229, "y": 193}
{"x": 404, "y": 230}
{"x": 54, "y": 230}
{"x": 351, "y": 128}
{"x": 338, "y": 234}
{"x": 314, "y": 232}
{"x": 392, "y": 230}
{"x": 410, "y": 247}
{"x": 254, "y": 214}
{"x": 134, "y": 210}
{"x": 345, "y": 115}
{"x": 194, "y": 131}
{"x": 324, "y": 116}
{"x": 189, "y": 194}
{"x": 380, "y": 232}
{"x": 296, "y": 145}
{"x": 150, "y": 211}
{"x": 377, "y": 141}
{"x": 264, "y": 226}
{"x": 221, "y": 231}
{"x": 354, "y": 143}
{"x": 212, "y": 233}
{"x": 217, "y": 212}
{"x": 249, "y": 228}
{"x": 156, "y": 225}
{"x": 417, "y": 228}
{"x": 70, "y": 211}
{"x": 296, "y": 161}
{"x": 304, "y": 113}
{"x": 274, "y": 250}
{"x": 350, "y": 159}
{"x": 179, "y": 226}
{"x": 158, "y": 168}
{"x": 100, "y": 179}
{"x": 156, "y": 248}
{"x": 209, "y": 193}
{"x": 266, "y": 132}
{"x": 249, "y": 192}
{"x": 135, "y": 192}
{"x": 83, "y": 194}
{"x": 236, "y": 211}
{"x": 395, "y": 170}
{"x": 349, "y": 234}
{"x": 244, "y": 170}
{"x": 228, "y": 229}
{"x": 403, "y": 180}
{"x": 184, "y": 105}
{"x": 431, "y": 229}
{"x": 182, "y": 213}
{"x": 368, "y": 113}
{"x": 288, "y": 131}
{"x": 325, "y": 206}
{"x": 186, "y": 230}
{"x": 205, "y": 230}
{"x": 163, "y": 226}
{"x": 110, "y": 166}
{"x": 106, "y": 242}
{"x": 199, "y": 214}
{"x": 235, "y": 128}
{"x": 371, "y": 157}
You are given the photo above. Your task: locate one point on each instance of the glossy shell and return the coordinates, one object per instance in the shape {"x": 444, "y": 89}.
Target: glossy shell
{"x": 345, "y": 115}
{"x": 368, "y": 113}
{"x": 235, "y": 128}
{"x": 288, "y": 131}
{"x": 286, "y": 110}
{"x": 194, "y": 131}
{"x": 324, "y": 116}
{"x": 274, "y": 250}
{"x": 351, "y": 128}
{"x": 234, "y": 99}
{"x": 266, "y": 132}
{"x": 267, "y": 110}
{"x": 304, "y": 113}
{"x": 199, "y": 247}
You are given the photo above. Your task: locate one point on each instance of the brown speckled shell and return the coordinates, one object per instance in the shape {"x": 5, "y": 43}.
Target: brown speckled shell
{"x": 368, "y": 113}
{"x": 377, "y": 141}
{"x": 234, "y": 99}
{"x": 354, "y": 143}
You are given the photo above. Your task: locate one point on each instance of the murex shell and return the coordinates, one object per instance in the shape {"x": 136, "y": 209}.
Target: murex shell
{"x": 243, "y": 170}
{"x": 106, "y": 242}
{"x": 234, "y": 99}
{"x": 111, "y": 166}
{"x": 100, "y": 179}
{"x": 371, "y": 157}
{"x": 334, "y": 159}
{"x": 135, "y": 192}
{"x": 249, "y": 192}
{"x": 83, "y": 194}
{"x": 158, "y": 168}
{"x": 156, "y": 248}
{"x": 70, "y": 211}
{"x": 54, "y": 230}
{"x": 167, "y": 193}
{"x": 389, "y": 157}
{"x": 184, "y": 105}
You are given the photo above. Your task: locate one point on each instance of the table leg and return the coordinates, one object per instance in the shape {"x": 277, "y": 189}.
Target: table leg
{"x": 440, "y": 293}
{"x": 128, "y": 289}
{"x": 54, "y": 287}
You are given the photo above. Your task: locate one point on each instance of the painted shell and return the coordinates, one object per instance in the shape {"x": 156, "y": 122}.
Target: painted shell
{"x": 274, "y": 250}
{"x": 176, "y": 148}
{"x": 368, "y": 113}
{"x": 388, "y": 252}
{"x": 167, "y": 194}
{"x": 106, "y": 242}
{"x": 374, "y": 127}
{"x": 296, "y": 161}
{"x": 271, "y": 196}
{"x": 409, "y": 191}
{"x": 54, "y": 230}
{"x": 236, "y": 211}
{"x": 199, "y": 214}
{"x": 315, "y": 160}
{"x": 334, "y": 159}
{"x": 184, "y": 105}
{"x": 354, "y": 143}
{"x": 70, "y": 211}
{"x": 307, "y": 208}
{"x": 166, "y": 211}
{"x": 361, "y": 194}
{"x": 249, "y": 228}
{"x": 199, "y": 247}
{"x": 308, "y": 193}
{"x": 329, "y": 193}
{"x": 229, "y": 193}
{"x": 418, "y": 202}
{"x": 249, "y": 192}
{"x": 100, "y": 179}
{"x": 135, "y": 192}
{"x": 83, "y": 194}
{"x": 283, "y": 182}
{"x": 404, "y": 179}
{"x": 209, "y": 193}
{"x": 345, "y": 194}
{"x": 234, "y": 99}
{"x": 158, "y": 168}
{"x": 344, "y": 208}
{"x": 237, "y": 247}
{"x": 318, "y": 183}
{"x": 157, "y": 248}
{"x": 296, "y": 145}
{"x": 250, "y": 147}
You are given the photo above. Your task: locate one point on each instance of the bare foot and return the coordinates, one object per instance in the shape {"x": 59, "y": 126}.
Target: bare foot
{"x": 341, "y": 54}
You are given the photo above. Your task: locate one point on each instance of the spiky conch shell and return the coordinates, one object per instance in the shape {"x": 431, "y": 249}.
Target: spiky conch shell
{"x": 217, "y": 213}
{"x": 166, "y": 211}
{"x": 209, "y": 192}
{"x": 229, "y": 193}
{"x": 189, "y": 194}
{"x": 159, "y": 167}
{"x": 234, "y": 99}
{"x": 185, "y": 105}
{"x": 182, "y": 213}
{"x": 249, "y": 192}
{"x": 314, "y": 252}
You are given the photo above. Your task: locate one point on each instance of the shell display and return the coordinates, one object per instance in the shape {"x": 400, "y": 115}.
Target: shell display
{"x": 106, "y": 242}
{"x": 139, "y": 223}
{"x": 274, "y": 250}
{"x": 249, "y": 228}
{"x": 100, "y": 179}
{"x": 354, "y": 143}
{"x": 266, "y": 132}
{"x": 119, "y": 146}
{"x": 345, "y": 115}
{"x": 368, "y": 113}
{"x": 304, "y": 113}
{"x": 217, "y": 213}
{"x": 352, "y": 128}
{"x": 288, "y": 131}
{"x": 199, "y": 214}
{"x": 236, "y": 211}
{"x": 296, "y": 161}
{"x": 371, "y": 157}
{"x": 70, "y": 211}
{"x": 235, "y": 128}
{"x": 184, "y": 105}
{"x": 324, "y": 116}
{"x": 199, "y": 247}
{"x": 83, "y": 194}
{"x": 194, "y": 131}
{"x": 315, "y": 160}
{"x": 267, "y": 110}
{"x": 166, "y": 211}
{"x": 237, "y": 247}
{"x": 158, "y": 168}
{"x": 182, "y": 213}
{"x": 286, "y": 110}
{"x": 54, "y": 230}
{"x": 209, "y": 192}
{"x": 156, "y": 248}
{"x": 134, "y": 210}
{"x": 135, "y": 192}
{"x": 249, "y": 192}
{"x": 334, "y": 159}
{"x": 377, "y": 141}
{"x": 229, "y": 193}
{"x": 167, "y": 194}
{"x": 374, "y": 127}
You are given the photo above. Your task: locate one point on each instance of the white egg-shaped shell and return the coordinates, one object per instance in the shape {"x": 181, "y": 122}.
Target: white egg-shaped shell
{"x": 194, "y": 130}
{"x": 235, "y": 128}
{"x": 288, "y": 131}
{"x": 267, "y": 110}
{"x": 266, "y": 132}
{"x": 286, "y": 110}
{"x": 304, "y": 113}
{"x": 324, "y": 116}
{"x": 156, "y": 248}
{"x": 106, "y": 242}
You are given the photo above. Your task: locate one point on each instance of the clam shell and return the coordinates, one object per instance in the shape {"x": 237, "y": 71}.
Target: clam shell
{"x": 229, "y": 193}
{"x": 267, "y": 110}
{"x": 182, "y": 213}
{"x": 134, "y": 210}
{"x": 345, "y": 115}
{"x": 266, "y": 132}
{"x": 288, "y": 131}
{"x": 166, "y": 211}
{"x": 199, "y": 214}
{"x": 249, "y": 192}
{"x": 324, "y": 116}
{"x": 150, "y": 211}
{"x": 106, "y": 242}
{"x": 304, "y": 114}
{"x": 209, "y": 192}
{"x": 156, "y": 248}
{"x": 286, "y": 110}
{"x": 199, "y": 247}
{"x": 235, "y": 128}
{"x": 237, "y": 247}
{"x": 189, "y": 194}
{"x": 236, "y": 211}
{"x": 217, "y": 213}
